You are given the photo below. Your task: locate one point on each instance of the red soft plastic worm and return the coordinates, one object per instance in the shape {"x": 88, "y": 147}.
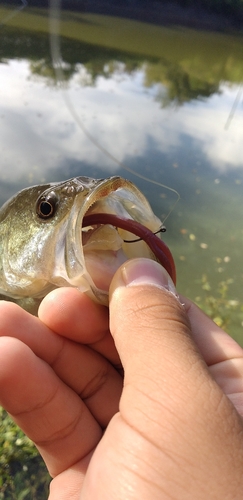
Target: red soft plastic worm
{"x": 158, "y": 247}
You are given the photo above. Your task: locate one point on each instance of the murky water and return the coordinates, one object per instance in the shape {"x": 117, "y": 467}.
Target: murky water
{"x": 165, "y": 102}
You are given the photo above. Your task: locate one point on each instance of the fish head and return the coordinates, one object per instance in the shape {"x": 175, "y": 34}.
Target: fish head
{"x": 44, "y": 244}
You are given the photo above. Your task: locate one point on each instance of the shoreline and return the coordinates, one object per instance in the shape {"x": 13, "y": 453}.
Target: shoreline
{"x": 159, "y": 12}
{"x": 168, "y": 13}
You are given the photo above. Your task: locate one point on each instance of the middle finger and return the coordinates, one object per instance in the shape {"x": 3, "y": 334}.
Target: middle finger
{"x": 88, "y": 373}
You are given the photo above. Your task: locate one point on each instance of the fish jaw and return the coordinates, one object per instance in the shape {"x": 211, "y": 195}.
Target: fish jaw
{"x": 92, "y": 255}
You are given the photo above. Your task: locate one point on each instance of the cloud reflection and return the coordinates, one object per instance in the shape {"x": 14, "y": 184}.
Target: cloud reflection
{"x": 38, "y": 132}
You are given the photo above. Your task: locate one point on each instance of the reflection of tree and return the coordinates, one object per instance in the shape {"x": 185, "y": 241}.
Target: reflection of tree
{"x": 177, "y": 82}
{"x": 181, "y": 86}
{"x": 43, "y": 69}
{"x": 21, "y": 44}
{"x": 35, "y": 47}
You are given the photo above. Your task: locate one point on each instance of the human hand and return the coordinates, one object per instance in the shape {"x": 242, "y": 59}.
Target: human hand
{"x": 176, "y": 435}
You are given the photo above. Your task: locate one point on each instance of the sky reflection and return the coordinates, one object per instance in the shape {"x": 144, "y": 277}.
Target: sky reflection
{"x": 39, "y": 132}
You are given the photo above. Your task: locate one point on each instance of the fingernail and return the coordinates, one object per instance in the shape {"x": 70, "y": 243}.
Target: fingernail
{"x": 147, "y": 272}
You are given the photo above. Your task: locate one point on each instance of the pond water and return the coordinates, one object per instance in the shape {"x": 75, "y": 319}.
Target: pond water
{"x": 96, "y": 95}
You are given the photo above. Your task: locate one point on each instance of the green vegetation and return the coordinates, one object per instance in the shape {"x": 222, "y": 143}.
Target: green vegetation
{"x": 217, "y": 305}
{"x": 23, "y": 475}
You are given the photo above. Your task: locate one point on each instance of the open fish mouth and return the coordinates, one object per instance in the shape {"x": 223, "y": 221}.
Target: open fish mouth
{"x": 117, "y": 223}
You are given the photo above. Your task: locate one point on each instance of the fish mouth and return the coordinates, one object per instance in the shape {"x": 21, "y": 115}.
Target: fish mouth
{"x": 160, "y": 250}
{"x": 117, "y": 223}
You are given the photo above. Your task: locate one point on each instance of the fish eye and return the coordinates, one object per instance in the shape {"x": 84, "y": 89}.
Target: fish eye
{"x": 46, "y": 205}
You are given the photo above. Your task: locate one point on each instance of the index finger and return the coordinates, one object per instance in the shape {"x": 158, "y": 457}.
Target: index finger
{"x": 48, "y": 410}
{"x": 222, "y": 354}
{"x": 214, "y": 343}
{"x": 80, "y": 367}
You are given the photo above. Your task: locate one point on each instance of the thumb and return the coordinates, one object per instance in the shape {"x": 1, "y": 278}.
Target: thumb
{"x": 163, "y": 368}
{"x": 149, "y": 324}
{"x": 169, "y": 396}
{"x": 175, "y": 431}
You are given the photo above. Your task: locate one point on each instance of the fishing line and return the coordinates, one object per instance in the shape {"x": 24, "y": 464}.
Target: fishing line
{"x": 162, "y": 229}
{"x": 14, "y": 13}
{"x": 234, "y": 107}
{"x": 57, "y": 62}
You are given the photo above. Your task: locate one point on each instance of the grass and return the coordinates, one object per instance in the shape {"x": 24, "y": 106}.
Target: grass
{"x": 23, "y": 475}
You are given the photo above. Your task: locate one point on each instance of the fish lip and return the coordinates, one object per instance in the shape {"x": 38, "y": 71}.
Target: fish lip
{"x": 74, "y": 249}
{"x": 102, "y": 189}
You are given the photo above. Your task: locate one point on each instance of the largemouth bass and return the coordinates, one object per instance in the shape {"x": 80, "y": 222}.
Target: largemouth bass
{"x": 74, "y": 233}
